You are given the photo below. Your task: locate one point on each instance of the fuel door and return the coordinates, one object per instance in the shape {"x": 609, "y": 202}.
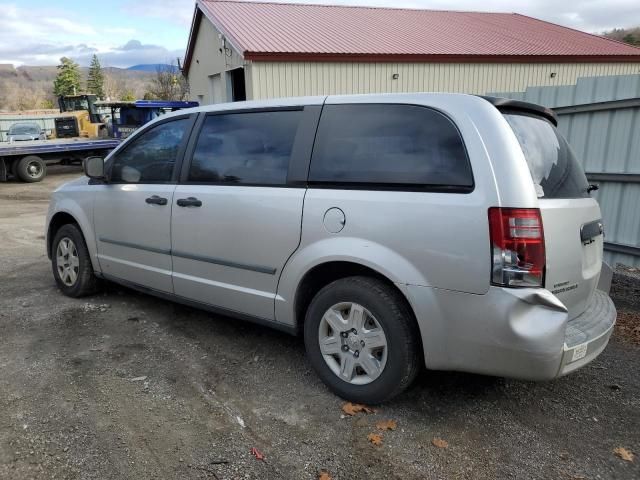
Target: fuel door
{"x": 334, "y": 220}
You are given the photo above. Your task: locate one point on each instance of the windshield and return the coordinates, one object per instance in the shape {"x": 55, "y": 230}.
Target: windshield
{"x": 24, "y": 129}
{"x": 75, "y": 104}
{"x": 554, "y": 168}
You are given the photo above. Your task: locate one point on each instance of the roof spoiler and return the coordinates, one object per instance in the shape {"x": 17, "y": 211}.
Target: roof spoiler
{"x": 508, "y": 104}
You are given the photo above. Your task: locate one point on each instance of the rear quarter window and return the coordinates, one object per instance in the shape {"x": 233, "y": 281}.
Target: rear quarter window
{"x": 403, "y": 146}
{"x": 555, "y": 171}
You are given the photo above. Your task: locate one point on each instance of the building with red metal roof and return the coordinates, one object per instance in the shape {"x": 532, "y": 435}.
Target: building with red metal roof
{"x": 240, "y": 49}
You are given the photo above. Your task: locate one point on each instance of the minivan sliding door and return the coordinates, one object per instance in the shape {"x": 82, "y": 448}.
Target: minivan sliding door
{"x": 236, "y": 215}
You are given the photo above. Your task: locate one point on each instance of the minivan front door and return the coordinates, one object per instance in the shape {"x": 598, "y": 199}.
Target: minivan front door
{"x": 132, "y": 210}
{"x": 236, "y": 219}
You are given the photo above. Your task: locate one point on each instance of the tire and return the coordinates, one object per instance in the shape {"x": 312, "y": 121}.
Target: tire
{"x": 31, "y": 169}
{"x": 84, "y": 282}
{"x": 386, "y": 311}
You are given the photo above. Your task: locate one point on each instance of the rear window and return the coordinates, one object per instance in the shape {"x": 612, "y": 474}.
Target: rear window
{"x": 389, "y": 145}
{"x": 554, "y": 168}
{"x": 24, "y": 129}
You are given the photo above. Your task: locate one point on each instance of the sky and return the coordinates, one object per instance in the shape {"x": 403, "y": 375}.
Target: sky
{"x": 126, "y": 32}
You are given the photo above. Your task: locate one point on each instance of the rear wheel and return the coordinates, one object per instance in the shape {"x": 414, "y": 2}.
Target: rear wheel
{"x": 71, "y": 263}
{"x": 362, "y": 340}
{"x": 30, "y": 169}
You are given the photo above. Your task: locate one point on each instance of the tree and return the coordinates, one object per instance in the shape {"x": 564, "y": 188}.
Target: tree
{"x": 128, "y": 96}
{"x": 169, "y": 83}
{"x": 22, "y": 95}
{"x": 67, "y": 81}
{"x": 95, "y": 79}
{"x": 626, "y": 35}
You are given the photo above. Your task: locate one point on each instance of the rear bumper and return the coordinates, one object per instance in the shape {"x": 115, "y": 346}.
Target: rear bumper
{"x": 517, "y": 333}
{"x": 587, "y": 335}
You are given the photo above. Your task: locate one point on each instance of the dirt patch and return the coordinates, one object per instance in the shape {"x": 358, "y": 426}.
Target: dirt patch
{"x": 625, "y": 287}
{"x": 628, "y": 326}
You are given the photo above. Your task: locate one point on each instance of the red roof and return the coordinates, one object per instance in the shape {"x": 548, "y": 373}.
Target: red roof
{"x": 286, "y": 31}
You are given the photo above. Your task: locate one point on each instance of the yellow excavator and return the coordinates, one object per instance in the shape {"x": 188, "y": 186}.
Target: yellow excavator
{"x": 80, "y": 119}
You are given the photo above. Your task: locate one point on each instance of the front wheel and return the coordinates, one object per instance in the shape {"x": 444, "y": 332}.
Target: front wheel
{"x": 71, "y": 264}
{"x": 362, "y": 340}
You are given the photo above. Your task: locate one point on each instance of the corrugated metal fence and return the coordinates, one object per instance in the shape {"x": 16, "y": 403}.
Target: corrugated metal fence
{"x": 600, "y": 117}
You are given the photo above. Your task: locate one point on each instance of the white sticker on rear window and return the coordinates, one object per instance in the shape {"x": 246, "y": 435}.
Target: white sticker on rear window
{"x": 579, "y": 352}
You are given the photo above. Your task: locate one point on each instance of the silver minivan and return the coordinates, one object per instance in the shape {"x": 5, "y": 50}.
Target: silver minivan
{"x": 393, "y": 231}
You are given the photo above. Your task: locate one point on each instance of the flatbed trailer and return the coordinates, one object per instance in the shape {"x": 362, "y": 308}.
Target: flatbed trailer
{"x": 28, "y": 161}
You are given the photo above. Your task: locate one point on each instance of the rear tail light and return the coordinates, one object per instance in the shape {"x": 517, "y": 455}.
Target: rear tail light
{"x": 517, "y": 247}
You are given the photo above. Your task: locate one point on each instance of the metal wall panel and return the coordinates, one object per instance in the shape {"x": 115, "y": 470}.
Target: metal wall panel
{"x": 606, "y": 141}
{"x": 283, "y": 79}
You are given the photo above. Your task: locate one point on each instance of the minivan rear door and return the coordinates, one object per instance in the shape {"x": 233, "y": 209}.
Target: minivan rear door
{"x": 571, "y": 219}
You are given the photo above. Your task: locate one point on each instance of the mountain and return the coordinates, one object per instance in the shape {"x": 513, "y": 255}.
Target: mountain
{"x": 153, "y": 67}
{"x": 31, "y": 87}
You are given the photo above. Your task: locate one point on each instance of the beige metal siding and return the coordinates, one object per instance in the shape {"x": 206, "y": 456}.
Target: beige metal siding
{"x": 207, "y": 62}
{"x": 284, "y": 79}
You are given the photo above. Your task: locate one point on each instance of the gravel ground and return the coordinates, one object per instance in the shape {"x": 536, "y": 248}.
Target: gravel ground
{"x": 123, "y": 385}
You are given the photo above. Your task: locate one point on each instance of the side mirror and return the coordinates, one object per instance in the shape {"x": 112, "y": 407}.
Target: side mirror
{"x": 94, "y": 167}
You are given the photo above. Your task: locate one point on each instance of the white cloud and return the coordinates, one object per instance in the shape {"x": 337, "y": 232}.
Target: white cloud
{"x": 65, "y": 25}
{"x": 131, "y": 53}
{"x": 123, "y": 31}
{"x": 177, "y": 11}
{"x": 42, "y": 39}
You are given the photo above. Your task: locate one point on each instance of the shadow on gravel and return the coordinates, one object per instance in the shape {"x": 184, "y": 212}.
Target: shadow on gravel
{"x": 440, "y": 388}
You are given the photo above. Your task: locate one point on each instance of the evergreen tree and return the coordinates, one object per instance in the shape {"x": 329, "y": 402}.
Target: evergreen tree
{"x": 67, "y": 81}
{"x": 95, "y": 79}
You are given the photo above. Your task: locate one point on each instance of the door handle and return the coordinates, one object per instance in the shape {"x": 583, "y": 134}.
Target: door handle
{"x": 156, "y": 200}
{"x": 189, "y": 202}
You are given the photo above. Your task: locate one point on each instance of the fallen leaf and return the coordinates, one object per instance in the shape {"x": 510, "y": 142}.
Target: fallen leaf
{"x": 354, "y": 408}
{"x": 387, "y": 425}
{"x": 440, "y": 443}
{"x": 324, "y": 476}
{"x": 624, "y": 454}
{"x": 375, "y": 438}
{"x": 257, "y": 453}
